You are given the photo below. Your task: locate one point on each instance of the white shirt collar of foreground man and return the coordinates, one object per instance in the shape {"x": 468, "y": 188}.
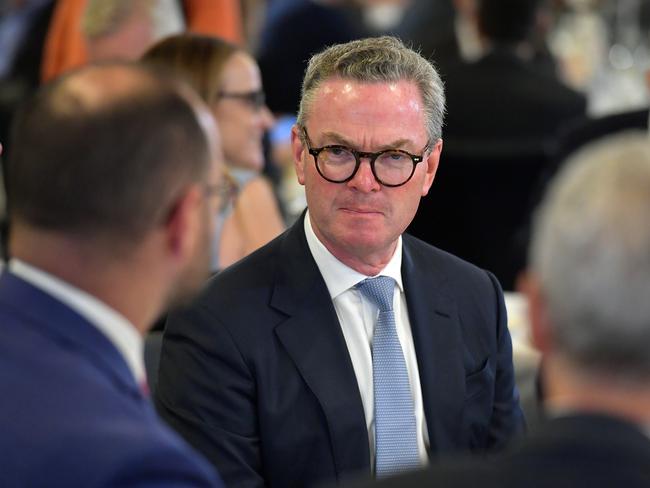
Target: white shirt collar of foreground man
{"x": 119, "y": 331}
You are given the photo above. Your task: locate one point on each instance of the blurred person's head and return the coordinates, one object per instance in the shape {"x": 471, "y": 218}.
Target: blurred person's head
{"x": 229, "y": 81}
{"x": 590, "y": 262}
{"x": 118, "y": 29}
{"x": 114, "y": 164}
{"x": 507, "y": 21}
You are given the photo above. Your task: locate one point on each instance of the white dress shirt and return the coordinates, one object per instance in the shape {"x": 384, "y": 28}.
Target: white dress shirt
{"x": 117, "y": 329}
{"x": 357, "y": 317}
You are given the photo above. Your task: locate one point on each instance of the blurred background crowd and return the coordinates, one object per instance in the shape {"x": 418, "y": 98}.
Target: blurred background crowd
{"x": 527, "y": 82}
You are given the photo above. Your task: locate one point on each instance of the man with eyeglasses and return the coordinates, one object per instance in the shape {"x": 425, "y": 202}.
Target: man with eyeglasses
{"x": 344, "y": 347}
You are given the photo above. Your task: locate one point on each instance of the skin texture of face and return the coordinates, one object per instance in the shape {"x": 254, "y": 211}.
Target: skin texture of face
{"x": 360, "y": 221}
{"x": 242, "y": 125}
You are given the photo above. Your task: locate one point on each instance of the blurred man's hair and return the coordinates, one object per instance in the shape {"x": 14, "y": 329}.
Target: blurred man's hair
{"x": 591, "y": 251}
{"x": 89, "y": 160}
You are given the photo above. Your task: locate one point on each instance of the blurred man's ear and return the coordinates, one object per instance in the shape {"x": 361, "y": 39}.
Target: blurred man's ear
{"x": 541, "y": 331}
{"x": 183, "y": 224}
{"x": 298, "y": 150}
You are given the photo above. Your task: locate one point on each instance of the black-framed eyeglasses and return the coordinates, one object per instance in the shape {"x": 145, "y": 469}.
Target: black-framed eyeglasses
{"x": 339, "y": 164}
{"x": 255, "y": 99}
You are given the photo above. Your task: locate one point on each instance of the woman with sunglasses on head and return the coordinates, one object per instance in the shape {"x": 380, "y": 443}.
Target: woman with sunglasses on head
{"x": 229, "y": 81}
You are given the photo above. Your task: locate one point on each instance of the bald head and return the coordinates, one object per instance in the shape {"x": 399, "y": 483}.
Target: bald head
{"x": 105, "y": 150}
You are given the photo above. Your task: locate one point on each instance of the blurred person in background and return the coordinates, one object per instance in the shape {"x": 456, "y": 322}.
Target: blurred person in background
{"x": 65, "y": 44}
{"x": 292, "y": 32}
{"x": 507, "y": 100}
{"x": 588, "y": 291}
{"x": 113, "y": 178}
{"x": 23, "y": 27}
{"x": 228, "y": 80}
{"x": 443, "y": 30}
{"x": 116, "y": 29}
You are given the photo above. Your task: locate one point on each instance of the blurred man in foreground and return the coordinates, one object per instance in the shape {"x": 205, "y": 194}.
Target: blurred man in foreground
{"x": 588, "y": 290}
{"x": 111, "y": 194}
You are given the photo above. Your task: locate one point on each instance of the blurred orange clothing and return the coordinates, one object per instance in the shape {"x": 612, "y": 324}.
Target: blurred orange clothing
{"x": 65, "y": 46}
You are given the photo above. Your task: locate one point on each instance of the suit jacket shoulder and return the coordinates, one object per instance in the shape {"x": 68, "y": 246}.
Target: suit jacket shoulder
{"x": 71, "y": 413}
{"x": 579, "y": 450}
{"x": 256, "y": 373}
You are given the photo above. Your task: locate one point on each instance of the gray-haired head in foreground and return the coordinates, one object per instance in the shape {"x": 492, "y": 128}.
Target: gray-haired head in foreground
{"x": 376, "y": 60}
{"x": 591, "y": 251}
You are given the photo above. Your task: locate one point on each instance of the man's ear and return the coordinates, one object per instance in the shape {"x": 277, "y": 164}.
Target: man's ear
{"x": 540, "y": 326}
{"x": 183, "y": 224}
{"x": 431, "y": 166}
{"x": 298, "y": 150}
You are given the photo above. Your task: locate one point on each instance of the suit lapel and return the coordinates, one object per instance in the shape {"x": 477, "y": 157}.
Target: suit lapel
{"x": 438, "y": 347}
{"x": 66, "y": 328}
{"x": 313, "y": 339}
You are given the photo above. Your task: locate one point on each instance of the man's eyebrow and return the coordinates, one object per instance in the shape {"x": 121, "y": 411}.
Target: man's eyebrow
{"x": 338, "y": 139}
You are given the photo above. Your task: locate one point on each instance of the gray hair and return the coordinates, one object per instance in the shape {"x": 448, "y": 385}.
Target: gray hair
{"x": 377, "y": 59}
{"x": 591, "y": 251}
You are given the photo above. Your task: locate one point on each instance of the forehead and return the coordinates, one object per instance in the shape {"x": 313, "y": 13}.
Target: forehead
{"x": 368, "y": 111}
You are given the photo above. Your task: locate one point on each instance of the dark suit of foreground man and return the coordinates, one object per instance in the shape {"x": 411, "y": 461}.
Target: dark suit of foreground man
{"x": 270, "y": 373}
{"x": 110, "y": 212}
{"x": 588, "y": 292}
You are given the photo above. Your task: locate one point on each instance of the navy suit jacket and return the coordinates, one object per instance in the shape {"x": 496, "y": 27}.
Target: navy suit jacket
{"x": 257, "y": 375}
{"x": 71, "y": 413}
{"x": 594, "y": 451}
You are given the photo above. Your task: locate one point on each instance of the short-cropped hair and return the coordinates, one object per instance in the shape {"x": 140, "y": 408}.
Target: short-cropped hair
{"x": 108, "y": 164}
{"x": 591, "y": 251}
{"x": 377, "y": 60}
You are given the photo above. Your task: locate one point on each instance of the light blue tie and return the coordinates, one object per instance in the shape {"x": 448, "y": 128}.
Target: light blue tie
{"x": 396, "y": 448}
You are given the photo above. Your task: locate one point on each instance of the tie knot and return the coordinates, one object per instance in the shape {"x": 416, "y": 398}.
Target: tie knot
{"x": 379, "y": 290}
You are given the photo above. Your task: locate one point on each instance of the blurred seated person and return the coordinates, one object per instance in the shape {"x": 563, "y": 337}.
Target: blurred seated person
{"x": 66, "y": 44}
{"x": 228, "y": 79}
{"x": 454, "y": 38}
{"x": 507, "y": 98}
{"x": 116, "y": 29}
{"x": 588, "y": 294}
{"x": 292, "y": 32}
{"x": 113, "y": 176}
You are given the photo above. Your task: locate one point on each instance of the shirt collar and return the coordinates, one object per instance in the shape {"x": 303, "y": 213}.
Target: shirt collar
{"x": 339, "y": 277}
{"x": 117, "y": 328}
